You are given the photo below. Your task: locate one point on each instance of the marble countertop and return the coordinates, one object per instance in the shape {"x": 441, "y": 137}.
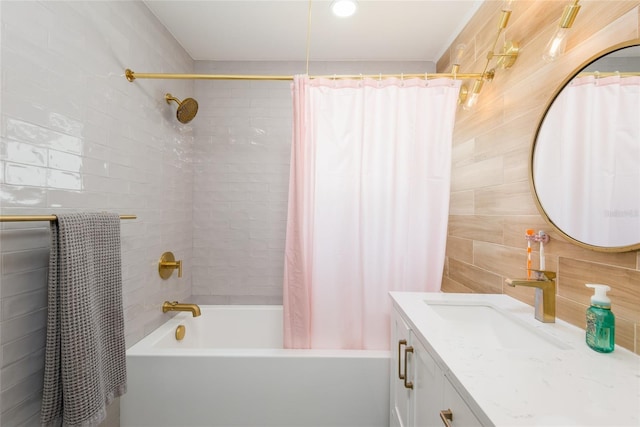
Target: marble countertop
{"x": 561, "y": 384}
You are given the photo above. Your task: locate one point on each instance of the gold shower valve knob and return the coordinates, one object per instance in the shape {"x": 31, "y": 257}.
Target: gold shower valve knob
{"x": 167, "y": 264}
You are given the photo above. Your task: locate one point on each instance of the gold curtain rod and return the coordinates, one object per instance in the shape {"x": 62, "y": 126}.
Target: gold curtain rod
{"x": 24, "y": 218}
{"x": 610, "y": 74}
{"x": 131, "y": 76}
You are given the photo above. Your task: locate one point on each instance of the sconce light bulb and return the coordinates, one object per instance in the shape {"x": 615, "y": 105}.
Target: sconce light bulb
{"x": 472, "y": 100}
{"x": 459, "y": 52}
{"x": 558, "y": 42}
{"x": 556, "y": 45}
{"x": 473, "y": 96}
{"x": 457, "y": 58}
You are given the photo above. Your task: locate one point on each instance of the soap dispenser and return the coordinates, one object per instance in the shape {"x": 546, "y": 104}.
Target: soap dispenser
{"x": 601, "y": 323}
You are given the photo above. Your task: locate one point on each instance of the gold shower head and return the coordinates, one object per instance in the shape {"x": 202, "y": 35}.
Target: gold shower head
{"x": 187, "y": 109}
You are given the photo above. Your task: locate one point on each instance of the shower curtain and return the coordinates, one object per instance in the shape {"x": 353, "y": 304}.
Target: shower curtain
{"x": 368, "y": 205}
{"x": 589, "y": 180}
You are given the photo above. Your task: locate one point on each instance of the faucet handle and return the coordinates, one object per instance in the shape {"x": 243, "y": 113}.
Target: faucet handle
{"x": 166, "y": 306}
{"x": 543, "y": 275}
{"x": 179, "y": 264}
{"x": 167, "y": 264}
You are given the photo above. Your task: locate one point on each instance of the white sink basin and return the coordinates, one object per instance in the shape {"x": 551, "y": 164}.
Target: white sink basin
{"x": 486, "y": 325}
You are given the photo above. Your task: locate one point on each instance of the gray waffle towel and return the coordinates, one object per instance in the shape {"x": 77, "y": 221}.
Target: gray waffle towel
{"x": 85, "y": 351}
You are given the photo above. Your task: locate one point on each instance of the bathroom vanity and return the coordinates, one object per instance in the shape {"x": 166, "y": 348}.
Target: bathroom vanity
{"x": 483, "y": 360}
{"x": 420, "y": 396}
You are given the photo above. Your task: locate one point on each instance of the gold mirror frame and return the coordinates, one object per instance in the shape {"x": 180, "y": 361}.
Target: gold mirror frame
{"x": 565, "y": 82}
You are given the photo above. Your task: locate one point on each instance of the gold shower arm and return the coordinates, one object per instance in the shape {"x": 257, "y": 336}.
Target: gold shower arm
{"x": 168, "y": 97}
{"x": 131, "y": 76}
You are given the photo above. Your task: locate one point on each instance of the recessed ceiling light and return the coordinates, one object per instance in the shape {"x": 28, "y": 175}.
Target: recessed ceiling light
{"x": 343, "y": 8}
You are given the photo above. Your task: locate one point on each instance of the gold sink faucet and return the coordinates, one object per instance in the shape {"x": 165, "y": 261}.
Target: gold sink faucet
{"x": 176, "y": 306}
{"x": 545, "y": 298}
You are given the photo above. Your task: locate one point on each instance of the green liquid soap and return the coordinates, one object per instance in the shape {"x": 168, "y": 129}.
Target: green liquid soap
{"x": 601, "y": 323}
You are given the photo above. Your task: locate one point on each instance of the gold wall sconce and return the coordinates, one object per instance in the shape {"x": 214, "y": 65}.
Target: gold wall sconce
{"x": 558, "y": 42}
{"x": 504, "y": 59}
{"x": 509, "y": 54}
{"x": 167, "y": 264}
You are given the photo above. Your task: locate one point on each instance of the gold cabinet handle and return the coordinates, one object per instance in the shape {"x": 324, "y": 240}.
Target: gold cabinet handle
{"x": 446, "y": 416}
{"x": 407, "y": 384}
{"x": 400, "y": 344}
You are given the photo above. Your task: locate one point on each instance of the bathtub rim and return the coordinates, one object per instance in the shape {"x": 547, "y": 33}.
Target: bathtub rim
{"x": 146, "y": 346}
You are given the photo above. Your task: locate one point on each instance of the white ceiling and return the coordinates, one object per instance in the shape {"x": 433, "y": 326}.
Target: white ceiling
{"x": 248, "y": 30}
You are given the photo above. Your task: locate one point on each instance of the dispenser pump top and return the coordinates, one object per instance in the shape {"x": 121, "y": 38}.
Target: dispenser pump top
{"x": 600, "y": 297}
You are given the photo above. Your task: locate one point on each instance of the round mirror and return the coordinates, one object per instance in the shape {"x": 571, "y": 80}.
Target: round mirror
{"x": 585, "y": 160}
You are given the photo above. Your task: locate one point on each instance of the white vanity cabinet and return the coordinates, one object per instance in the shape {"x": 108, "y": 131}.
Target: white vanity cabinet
{"x": 421, "y": 394}
{"x": 488, "y": 360}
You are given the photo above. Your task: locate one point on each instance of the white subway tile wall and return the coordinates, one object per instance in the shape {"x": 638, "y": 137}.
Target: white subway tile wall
{"x": 241, "y": 170}
{"x": 76, "y": 135}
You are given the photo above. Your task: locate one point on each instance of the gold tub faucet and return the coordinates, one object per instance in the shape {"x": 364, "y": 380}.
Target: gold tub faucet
{"x": 545, "y": 298}
{"x": 177, "y": 306}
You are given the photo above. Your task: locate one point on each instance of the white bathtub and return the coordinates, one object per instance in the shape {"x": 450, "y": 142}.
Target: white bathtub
{"x": 231, "y": 370}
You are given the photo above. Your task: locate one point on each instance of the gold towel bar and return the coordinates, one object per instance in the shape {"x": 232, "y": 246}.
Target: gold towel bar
{"x": 22, "y": 218}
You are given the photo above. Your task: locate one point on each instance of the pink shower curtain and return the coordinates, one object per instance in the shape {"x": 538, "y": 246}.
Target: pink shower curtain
{"x": 368, "y": 205}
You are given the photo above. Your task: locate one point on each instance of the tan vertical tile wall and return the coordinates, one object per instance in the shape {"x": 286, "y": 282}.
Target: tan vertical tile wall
{"x": 491, "y": 201}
